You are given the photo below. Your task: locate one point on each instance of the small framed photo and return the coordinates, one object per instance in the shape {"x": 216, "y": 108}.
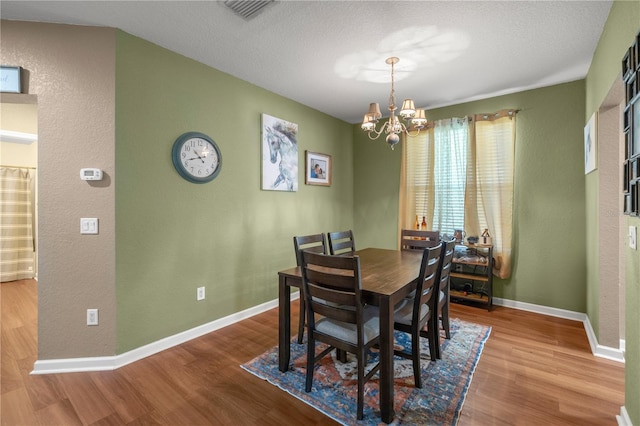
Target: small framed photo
{"x": 10, "y": 79}
{"x": 590, "y": 145}
{"x": 317, "y": 169}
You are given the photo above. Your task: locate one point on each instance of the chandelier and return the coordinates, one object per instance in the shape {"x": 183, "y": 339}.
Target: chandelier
{"x": 415, "y": 118}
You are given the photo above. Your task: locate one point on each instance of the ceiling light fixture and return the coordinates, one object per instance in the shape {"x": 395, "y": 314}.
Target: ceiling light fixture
{"x": 415, "y": 118}
{"x": 17, "y": 137}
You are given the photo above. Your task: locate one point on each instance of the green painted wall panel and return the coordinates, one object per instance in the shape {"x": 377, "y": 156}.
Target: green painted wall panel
{"x": 227, "y": 235}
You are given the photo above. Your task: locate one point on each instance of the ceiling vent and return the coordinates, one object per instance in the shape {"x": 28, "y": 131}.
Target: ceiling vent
{"x": 247, "y": 9}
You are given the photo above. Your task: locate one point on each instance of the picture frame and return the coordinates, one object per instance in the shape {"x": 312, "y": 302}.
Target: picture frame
{"x": 279, "y": 146}
{"x": 317, "y": 169}
{"x": 590, "y": 145}
{"x": 10, "y": 79}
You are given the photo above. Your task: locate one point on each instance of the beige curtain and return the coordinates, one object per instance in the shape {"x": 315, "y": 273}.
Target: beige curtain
{"x": 16, "y": 224}
{"x": 489, "y": 199}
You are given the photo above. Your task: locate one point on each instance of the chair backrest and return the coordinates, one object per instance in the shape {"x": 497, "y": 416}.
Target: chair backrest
{"x": 314, "y": 243}
{"x": 332, "y": 288}
{"x": 342, "y": 243}
{"x": 413, "y": 239}
{"x": 448, "y": 247}
{"x": 427, "y": 285}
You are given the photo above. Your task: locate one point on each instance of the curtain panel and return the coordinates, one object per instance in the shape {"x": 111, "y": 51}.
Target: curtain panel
{"x": 16, "y": 224}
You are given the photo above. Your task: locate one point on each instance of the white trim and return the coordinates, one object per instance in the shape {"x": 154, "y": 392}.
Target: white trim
{"x": 539, "y": 309}
{"x": 623, "y": 419}
{"x": 105, "y": 363}
{"x": 598, "y": 350}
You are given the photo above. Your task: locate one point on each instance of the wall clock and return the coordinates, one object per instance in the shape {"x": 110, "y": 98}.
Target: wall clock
{"x": 196, "y": 157}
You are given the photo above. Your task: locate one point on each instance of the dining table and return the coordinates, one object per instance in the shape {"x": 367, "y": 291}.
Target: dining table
{"x": 387, "y": 277}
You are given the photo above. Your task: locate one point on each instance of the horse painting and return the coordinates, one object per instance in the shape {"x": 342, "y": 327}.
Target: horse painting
{"x": 283, "y": 150}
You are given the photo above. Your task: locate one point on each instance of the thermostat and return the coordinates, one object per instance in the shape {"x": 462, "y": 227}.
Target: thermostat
{"x": 90, "y": 174}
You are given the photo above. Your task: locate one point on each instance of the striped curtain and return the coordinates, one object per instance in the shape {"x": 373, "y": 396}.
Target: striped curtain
{"x": 16, "y": 224}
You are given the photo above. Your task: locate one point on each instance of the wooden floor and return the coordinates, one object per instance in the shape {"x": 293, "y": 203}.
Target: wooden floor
{"x": 534, "y": 370}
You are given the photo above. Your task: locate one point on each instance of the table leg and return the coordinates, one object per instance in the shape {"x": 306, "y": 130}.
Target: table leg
{"x": 284, "y": 324}
{"x": 386, "y": 360}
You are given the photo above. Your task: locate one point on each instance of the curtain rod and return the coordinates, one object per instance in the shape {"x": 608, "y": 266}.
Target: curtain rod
{"x": 494, "y": 115}
{"x": 17, "y": 167}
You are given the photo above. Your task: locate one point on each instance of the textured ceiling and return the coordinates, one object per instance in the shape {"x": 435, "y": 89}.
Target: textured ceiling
{"x": 330, "y": 55}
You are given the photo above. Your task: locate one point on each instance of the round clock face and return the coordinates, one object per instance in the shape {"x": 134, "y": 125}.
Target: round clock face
{"x": 196, "y": 157}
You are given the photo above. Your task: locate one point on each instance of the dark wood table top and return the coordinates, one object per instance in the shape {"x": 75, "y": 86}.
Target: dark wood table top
{"x": 384, "y": 272}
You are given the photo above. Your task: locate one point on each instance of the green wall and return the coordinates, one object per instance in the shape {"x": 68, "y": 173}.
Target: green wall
{"x": 622, "y": 26}
{"x": 173, "y": 236}
{"x": 549, "y": 218}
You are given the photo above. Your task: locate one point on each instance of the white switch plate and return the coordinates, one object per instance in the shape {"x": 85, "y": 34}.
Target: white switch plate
{"x": 200, "y": 293}
{"x": 89, "y": 225}
{"x": 633, "y": 237}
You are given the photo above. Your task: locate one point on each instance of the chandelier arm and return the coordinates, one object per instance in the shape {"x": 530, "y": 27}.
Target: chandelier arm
{"x": 377, "y": 133}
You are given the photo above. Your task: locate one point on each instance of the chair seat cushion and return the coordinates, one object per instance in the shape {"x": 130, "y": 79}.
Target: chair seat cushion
{"x": 404, "y": 312}
{"x": 347, "y": 331}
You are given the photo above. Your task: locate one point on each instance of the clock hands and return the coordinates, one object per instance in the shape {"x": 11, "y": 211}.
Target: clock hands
{"x": 199, "y": 156}
{"x": 205, "y": 154}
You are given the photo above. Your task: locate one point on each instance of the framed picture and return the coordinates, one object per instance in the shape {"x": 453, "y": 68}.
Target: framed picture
{"x": 279, "y": 154}
{"x": 634, "y": 149}
{"x": 317, "y": 169}
{"x": 10, "y": 79}
{"x": 590, "y": 145}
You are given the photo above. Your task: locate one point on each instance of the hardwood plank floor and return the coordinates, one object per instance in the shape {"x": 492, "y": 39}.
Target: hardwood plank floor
{"x": 534, "y": 370}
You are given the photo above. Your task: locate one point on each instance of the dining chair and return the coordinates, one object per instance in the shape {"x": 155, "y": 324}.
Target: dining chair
{"x": 341, "y": 243}
{"x": 416, "y": 240}
{"x": 441, "y": 313}
{"x": 412, "y": 315}
{"x": 346, "y": 322}
{"x": 316, "y": 244}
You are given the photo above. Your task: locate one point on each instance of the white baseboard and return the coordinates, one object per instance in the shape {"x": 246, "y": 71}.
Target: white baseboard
{"x": 105, "y": 363}
{"x": 623, "y": 419}
{"x": 598, "y": 350}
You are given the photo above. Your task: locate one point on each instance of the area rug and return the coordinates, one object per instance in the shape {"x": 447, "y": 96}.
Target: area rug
{"x": 444, "y": 382}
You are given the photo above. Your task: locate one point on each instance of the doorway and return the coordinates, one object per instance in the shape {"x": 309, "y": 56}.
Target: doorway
{"x": 18, "y": 168}
{"x": 611, "y": 222}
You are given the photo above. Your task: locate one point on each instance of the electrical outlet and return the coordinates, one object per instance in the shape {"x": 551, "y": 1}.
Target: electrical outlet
{"x": 92, "y": 317}
{"x": 633, "y": 237}
{"x": 200, "y": 293}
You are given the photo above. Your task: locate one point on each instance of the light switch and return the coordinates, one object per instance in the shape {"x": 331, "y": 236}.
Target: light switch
{"x": 633, "y": 237}
{"x": 89, "y": 225}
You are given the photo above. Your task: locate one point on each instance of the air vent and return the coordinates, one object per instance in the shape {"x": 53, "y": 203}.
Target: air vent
{"x": 247, "y": 9}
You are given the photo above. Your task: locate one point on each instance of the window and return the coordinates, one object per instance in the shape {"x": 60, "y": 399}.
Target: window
{"x": 459, "y": 175}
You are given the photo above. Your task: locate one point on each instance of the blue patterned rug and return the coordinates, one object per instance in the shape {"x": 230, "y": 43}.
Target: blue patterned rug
{"x": 439, "y": 402}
